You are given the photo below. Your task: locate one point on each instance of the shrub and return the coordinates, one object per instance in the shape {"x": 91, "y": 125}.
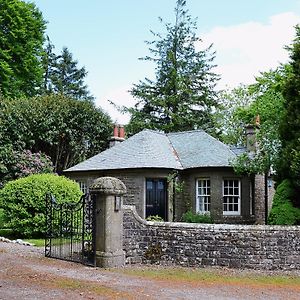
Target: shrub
{"x": 2, "y": 221}
{"x": 155, "y": 218}
{"x": 17, "y": 164}
{"x": 28, "y": 163}
{"x": 283, "y": 212}
{"x": 190, "y": 217}
{"x": 23, "y": 201}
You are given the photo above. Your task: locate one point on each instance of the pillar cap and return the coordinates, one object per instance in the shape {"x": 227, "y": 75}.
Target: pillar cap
{"x": 108, "y": 186}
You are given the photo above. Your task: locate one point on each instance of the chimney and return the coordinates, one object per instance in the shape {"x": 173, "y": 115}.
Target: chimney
{"x": 122, "y": 132}
{"x": 118, "y": 135}
{"x": 251, "y": 131}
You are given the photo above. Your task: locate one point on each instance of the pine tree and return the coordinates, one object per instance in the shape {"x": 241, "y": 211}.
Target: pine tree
{"x": 62, "y": 75}
{"x": 48, "y": 61}
{"x": 182, "y": 96}
{"x": 290, "y": 125}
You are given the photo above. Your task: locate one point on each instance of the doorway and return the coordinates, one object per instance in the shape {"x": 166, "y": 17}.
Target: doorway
{"x": 156, "y": 197}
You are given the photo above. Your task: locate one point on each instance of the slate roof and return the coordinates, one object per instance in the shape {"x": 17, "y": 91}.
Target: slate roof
{"x": 198, "y": 149}
{"x": 154, "y": 149}
{"x": 146, "y": 149}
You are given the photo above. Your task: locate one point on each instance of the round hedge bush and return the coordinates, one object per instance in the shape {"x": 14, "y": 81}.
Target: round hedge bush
{"x": 283, "y": 212}
{"x": 24, "y": 199}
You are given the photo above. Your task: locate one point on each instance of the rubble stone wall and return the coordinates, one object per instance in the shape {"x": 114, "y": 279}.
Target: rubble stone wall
{"x": 184, "y": 244}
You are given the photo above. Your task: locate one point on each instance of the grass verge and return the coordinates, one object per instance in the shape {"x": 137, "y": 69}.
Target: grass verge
{"x": 215, "y": 276}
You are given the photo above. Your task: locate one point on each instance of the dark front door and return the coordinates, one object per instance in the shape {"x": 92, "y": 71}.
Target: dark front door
{"x": 156, "y": 198}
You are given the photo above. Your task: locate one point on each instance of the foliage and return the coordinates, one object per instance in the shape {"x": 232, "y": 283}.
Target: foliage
{"x": 179, "y": 185}
{"x": 230, "y": 116}
{"x": 263, "y": 99}
{"x": 7, "y": 233}
{"x": 190, "y": 217}
{"x": 155, "y": 218}
{"x": 21, "y": 39}
{"x": 66, "y": 130}
{"x": 63, "y": 76}
{"x": 283, "y": 212}
{"x": 289, "y": 165}
{"x": 23, "y": 201}
{"x": 2, "y": 221}
{"x": 23, "y": 163}
{"x": 182, "y": 96}
{"x": 250, "y": 163}
{"x": 28, "y": 163}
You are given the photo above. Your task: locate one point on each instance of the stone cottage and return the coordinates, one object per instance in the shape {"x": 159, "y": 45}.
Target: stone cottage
{"x": 167, "y": 174}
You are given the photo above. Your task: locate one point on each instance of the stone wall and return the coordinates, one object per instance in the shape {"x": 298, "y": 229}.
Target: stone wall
{"x": 237, "y": 246}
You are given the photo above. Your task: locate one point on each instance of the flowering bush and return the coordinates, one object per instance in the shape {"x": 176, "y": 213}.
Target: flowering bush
{"x": 18, "y": 164}
{"x": 28, "y": 163}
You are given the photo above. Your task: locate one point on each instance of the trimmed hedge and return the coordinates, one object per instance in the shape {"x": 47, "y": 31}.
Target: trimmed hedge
{"x": 283, "y": 212}
{"x": 23, "y": 201}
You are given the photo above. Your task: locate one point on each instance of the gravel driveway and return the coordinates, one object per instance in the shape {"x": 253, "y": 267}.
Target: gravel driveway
{"x": 26, "y": 274}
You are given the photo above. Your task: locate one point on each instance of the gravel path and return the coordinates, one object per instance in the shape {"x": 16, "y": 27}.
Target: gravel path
{"x": 26, "y": 274}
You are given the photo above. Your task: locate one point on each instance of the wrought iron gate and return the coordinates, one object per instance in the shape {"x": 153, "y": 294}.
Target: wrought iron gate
{"x": 70, "y": 232}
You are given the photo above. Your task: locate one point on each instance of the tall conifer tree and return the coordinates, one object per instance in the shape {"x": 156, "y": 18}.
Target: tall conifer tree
{"x": 182, "y": 96}
{"x": 290, "y": 125}
{"x": 64, "y": 76}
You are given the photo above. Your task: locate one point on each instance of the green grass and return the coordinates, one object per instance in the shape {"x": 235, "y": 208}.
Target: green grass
{"x": 215, "y": 276}
{"x": 36, "y": 242}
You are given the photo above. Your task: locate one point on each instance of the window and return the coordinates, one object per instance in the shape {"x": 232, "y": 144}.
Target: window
{"x": 231, "y": 197}
{"x": 83, "y": 186}
{"x": 203, "y": 195}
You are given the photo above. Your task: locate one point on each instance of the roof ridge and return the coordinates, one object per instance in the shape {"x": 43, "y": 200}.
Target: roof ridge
{"x": 186, "y": 131}
{"x": 217, "y": 140}
{"x": 153, "y": 131}
{"x": 174, "y": 152}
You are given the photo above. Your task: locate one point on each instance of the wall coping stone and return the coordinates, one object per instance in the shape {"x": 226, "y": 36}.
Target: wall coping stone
{"x": 212, "y": 227}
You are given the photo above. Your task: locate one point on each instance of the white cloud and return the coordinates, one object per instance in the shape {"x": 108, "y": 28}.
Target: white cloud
{"x": 121, "y": 97}
{"x": 243, "y": 51}
{"x": 246, "y": 49}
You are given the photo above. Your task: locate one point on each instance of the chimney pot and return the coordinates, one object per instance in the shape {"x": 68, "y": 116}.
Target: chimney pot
{"x": 122, "y": 132}
{"x": 116, "y": 130}
{"x": 118, "y": 135}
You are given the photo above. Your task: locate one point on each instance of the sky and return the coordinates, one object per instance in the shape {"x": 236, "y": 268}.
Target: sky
{"x": 108, "y": 38}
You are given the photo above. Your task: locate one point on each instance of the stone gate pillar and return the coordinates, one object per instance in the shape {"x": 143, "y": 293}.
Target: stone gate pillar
{"x": 108, "y": 192}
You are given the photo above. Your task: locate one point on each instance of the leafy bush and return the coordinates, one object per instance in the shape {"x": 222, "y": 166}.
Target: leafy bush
{"x": 190, "y": 217}
{"x": 2, "y": 221}
{"x": 155, "y": 218}
{"x": 29, "y": 163}
{"x": 23, "y": 201}
{"x": 283, "y": 212}
{"x": 7, "y": 233}
{"x": 18, "y": 164}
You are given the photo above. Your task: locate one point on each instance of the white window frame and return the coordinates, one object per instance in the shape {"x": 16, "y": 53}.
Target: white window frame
{"x": 232, "y": 212}
{"x": 206, "y": 197}
{"x": 83, "y": 186}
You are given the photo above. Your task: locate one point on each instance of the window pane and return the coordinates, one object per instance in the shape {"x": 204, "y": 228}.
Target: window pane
{"x": 160, "y": 185}
{"x": 149, "y": 185}
{"x": 203, "y": 195}
{"x": 231, "y": 193}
